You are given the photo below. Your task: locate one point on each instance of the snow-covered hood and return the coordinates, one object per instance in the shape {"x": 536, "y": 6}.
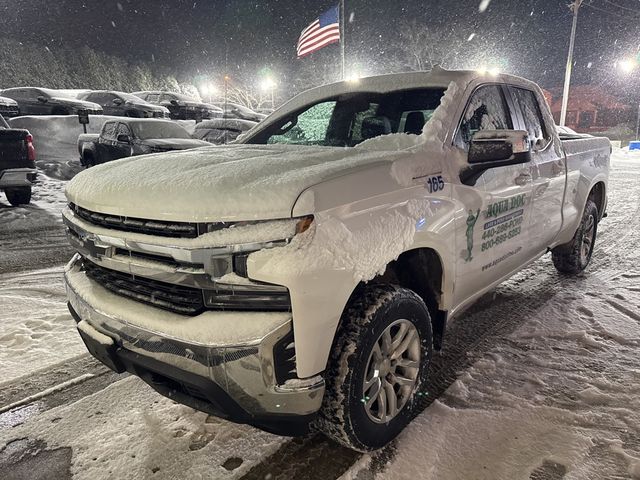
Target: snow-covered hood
{"x": 221, "y": 183}
{"x": 175, "y": 143}
{"x": 8, "y": 102}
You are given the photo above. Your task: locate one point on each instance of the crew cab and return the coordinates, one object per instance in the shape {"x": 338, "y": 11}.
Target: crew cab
{"x": 129, "y": 137}
{"x": 181, "y": 107}
{"x": 301, "y": 277}
{"x": 43, "y": 101}
{"x": 17, "y": 164}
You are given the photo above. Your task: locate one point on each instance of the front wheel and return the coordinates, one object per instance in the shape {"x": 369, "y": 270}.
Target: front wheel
{"x": 573, "y": 257}
{"x": 19, "y": 196}
{"x": 377, "y": 367}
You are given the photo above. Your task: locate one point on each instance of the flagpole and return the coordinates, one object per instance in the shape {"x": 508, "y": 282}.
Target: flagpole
{"x": 342, "y": 37}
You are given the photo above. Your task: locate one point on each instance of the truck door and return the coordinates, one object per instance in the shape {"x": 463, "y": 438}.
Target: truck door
{"x": 492, "y": 223}
{"x": 105, "y": 147}
{"x": 122, "y": 147}
{"x": 549, "y": 173}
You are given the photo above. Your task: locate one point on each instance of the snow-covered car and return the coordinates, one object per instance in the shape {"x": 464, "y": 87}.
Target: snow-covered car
{"x": 122, "y": 104}
{"x": 221, "y": 130}
{"x": 17, "y": 163}
{"x": 9, "y": 107}
{"x": 43, "y": 101}
{"x": 129, "y": 137}
{"x": 233, "y": 110}
{"x": 301, "y": 277}
{"x": 181, "y": 107}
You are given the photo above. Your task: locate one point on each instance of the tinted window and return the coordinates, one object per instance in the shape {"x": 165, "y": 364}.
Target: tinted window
{"x": 533, "y": 120}
{"x": 123, "y": 130}
{"x": 153, "y": 97}
{"x": 109, "y": 131}
{"x": 151, "y": 129}
{"x": 350, "y": 119}
{"x": 486, "y": 110}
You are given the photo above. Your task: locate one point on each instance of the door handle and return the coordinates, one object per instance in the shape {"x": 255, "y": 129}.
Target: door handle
{"x": 522, "y": 179}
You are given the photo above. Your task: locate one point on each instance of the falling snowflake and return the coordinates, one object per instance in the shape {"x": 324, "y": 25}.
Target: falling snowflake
{"x": 484, "y": 4}
{"x": 113, "y": 24}
{"x": 119, "y": 5}
{"x": 471, "y": 37}
{"x": 352, "y": 17}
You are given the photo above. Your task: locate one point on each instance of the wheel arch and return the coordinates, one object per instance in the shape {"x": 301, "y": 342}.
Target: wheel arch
{"x": 422, "y": 271}
{"x": 598, "y": 194}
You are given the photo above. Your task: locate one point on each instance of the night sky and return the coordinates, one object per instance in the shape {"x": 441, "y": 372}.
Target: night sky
{"x": 212, "y": 37}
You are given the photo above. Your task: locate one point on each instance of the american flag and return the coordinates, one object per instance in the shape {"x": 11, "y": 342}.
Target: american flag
{"x": 323, "y": 31}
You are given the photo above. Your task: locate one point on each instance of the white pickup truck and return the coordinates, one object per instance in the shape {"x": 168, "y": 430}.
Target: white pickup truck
{"x": 301, "y": 277}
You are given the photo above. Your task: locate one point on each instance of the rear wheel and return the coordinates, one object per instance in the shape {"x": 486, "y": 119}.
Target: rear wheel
{"x": 378, "y": 365}
{"x": 19, "y": 196}
{"x": 573, "y": 257}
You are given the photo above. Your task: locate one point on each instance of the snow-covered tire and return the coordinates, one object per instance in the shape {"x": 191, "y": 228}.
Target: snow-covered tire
{"x": 573, "y": 257}
{"x": 19, "y": 196}
{"x": 347, "y": 413}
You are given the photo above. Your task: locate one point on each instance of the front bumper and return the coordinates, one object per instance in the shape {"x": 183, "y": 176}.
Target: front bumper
{"x": 233, "y": 380}
{"x": 17, "y": 177}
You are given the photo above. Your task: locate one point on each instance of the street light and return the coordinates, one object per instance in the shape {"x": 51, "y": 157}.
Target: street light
{"x": 627, "y": 65}
{"x": 268, "y": 85}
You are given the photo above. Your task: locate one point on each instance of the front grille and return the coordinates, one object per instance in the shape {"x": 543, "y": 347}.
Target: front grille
{"x": 138, "y": 225}
{"x": 167, "y": 296}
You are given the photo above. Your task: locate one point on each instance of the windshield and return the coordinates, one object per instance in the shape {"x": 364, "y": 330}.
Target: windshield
{"x": 151, "y": 129}
{"x": 350, "y": 119}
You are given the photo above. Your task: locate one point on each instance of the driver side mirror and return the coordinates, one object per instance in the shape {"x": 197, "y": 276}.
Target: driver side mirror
{"x": 493, "y": 149}
{"x": 124, "y": 138}
{"x": 117, "y": 101}
{"x": 41, "y": 99}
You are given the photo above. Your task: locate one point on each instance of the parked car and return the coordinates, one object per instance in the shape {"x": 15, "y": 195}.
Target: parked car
{"x": 43, "y": 101}
{"x": 9, "y": 107}
{"x": 130, "y": 137}
{"x": 180, "y": 106}
{"x": 17, "y": 164}
{"x": 233, "y": 110}
{"x": 122, "y": 104}
{"x": 221, "y": 130}
{"x": 310, "y": 271}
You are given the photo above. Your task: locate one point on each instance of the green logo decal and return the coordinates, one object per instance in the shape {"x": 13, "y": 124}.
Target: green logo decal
{"x": 471, "y": 223}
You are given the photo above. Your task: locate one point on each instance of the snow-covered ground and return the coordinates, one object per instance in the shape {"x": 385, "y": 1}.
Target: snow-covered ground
{"x": 557, "y": 395}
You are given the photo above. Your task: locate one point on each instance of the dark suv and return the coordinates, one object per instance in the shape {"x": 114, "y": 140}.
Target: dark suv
{"x": 122, "y": 104}
{"x": 42, "y": 101}
{"x": 180, "y": 106}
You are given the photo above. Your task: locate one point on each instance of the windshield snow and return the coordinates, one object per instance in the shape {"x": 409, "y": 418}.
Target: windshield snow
{"x": 350, "y": 119}
{"x": 147, "y": 130}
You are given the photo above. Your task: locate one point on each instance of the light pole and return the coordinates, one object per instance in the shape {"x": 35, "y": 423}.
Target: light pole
{"x": 575, "y": 6}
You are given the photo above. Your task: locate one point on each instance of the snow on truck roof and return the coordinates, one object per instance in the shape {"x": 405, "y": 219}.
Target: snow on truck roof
{"x": 436, "y": 78}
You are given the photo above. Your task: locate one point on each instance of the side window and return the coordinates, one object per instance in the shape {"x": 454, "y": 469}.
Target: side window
{"x": 153, "y": 97}
{"x": 532, "y": 116}
{"x": 167, "y": 97}
{"x": 486, "y": 110}
{"x": 109, "y": 131}
{"x": 310, "y": 128}
{"x": 123, "y": 130}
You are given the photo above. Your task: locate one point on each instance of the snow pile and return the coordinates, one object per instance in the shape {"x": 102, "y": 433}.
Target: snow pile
{"x": 129, "y": 431}
{"x": 55, "y": 138}
{"x": 36, "y": 329}
{"x": 364, "y": 251}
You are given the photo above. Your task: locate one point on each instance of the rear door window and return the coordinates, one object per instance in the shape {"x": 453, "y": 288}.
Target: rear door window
{"x": 534, "y": 122}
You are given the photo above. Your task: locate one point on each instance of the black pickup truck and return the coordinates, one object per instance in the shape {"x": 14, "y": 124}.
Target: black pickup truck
{"x": 17, "y": 164}
{"x": 128, "y": 137}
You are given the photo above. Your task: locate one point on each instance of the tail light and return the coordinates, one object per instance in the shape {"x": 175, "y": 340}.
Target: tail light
{"x": 31, "y": 151}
